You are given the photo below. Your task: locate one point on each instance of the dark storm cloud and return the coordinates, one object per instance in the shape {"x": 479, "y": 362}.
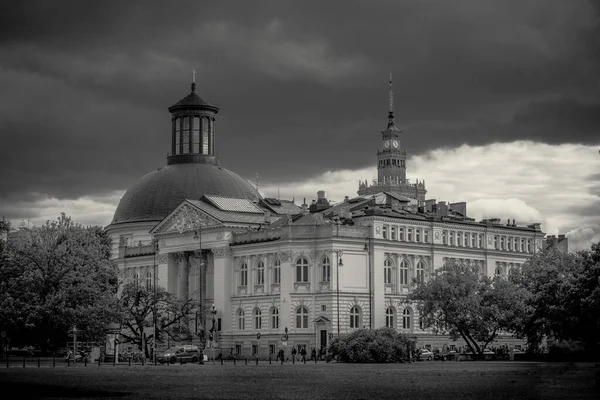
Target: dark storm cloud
{"x": 302, "y": 86}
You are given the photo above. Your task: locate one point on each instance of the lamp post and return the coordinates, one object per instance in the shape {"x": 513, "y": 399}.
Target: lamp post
{"x": 155, "y": 243}
{"x": 338, "y": 264}
{"x": 368, "y": 250}
{"x": 198, "y": 235}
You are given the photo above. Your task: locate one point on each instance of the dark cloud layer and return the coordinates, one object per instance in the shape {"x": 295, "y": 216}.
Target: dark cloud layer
{"x": 302, "y": 86}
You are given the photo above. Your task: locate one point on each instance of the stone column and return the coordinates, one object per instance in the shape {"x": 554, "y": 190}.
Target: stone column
{"x": 184, "y": 277}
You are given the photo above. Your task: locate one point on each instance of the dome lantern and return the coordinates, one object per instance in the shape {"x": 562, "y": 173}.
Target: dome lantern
{"x": 192, "y": 130}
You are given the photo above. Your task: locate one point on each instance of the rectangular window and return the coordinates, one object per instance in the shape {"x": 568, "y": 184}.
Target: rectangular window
{"x": 260, "y": 277}
{"x": 473, "y": 240}
{"x": 385, "y": 231}
{"x": 177, "y": 136}
{"x": 393, "y": 233}
{"x": 426, "y": 235}
{"x": 323, "y": 307}
{"x": 445, "y": 237}
{"x": 410, "y": 234}
{"x": 271, "y": 349}
{"x": 277, "y": 275}
{"x": 238, "y": 349}
{"x": 244, "y": 277}
{"x": 480, "y": 244}
{"x": 219, "y": 324}
{"x": 451, "y": 238}
{"x": 522, "y": 244}
{"x": 401, "y": 234}
{"x": 459, "y": 238}
{"x": 496, "y": 242}
{"x": 196, "y": 135}
{"x": 185, "y": 135}
{"x": 387, "y": 275}
{"x": 302, "y": 273}
{"x": 254, "y": 349}
{"x": 502, "y": 243}
{"x": 204, "y": 135}
{"x": 418, "y": 235}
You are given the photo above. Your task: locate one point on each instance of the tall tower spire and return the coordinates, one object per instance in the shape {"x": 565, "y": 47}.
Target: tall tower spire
{"x": 391, "y": 123}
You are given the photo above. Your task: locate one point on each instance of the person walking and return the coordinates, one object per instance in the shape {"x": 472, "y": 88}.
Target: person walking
{"x": 313, "y": 355}
{"x": 294, "y": 353}
{"x": 303, "y": 354}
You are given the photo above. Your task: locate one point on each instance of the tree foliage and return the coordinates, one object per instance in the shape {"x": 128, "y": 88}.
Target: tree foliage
{"x": 174, "y": 318}
{"x": 383, "y": 345}
{"x": 564, "y": 299}
{"x": 460, "y": 302}
{"x": 55, "y": 277}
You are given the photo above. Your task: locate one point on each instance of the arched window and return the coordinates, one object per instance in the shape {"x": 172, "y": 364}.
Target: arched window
{"x": 499, "y": 271}
{"x": 302, "y": 270}
{"x": 420, "y": 323}
{"x": 389, "y": 317}
{"x": 302, "y": 318}
{"x": 421, "y": 272}
{"x": 406, "y": 318}
{"x": 148, "y": 279}
{"x": 274, "y": 318}
{"x": 387, "y": 271}
{"x": 404, "y": 272}
{"x": 355, "y": 317}
{"x": 260, "y": 273}
{"x": 257, "y": 318}
{"x": 326, "y": 270}
{"x": 136, "y": 279}
{"x": 241, "y": 322}
{"x": 277, "y": 271}
{"x": 244, "y": 274}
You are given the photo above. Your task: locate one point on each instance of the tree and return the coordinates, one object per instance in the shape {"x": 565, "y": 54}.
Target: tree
{"x": 458, "y": 301}
{"x": 564, "y": 297}
{"x": 173, "y": 317}
{"x": 383, "y": 345}
{"x": 55, "y": 277}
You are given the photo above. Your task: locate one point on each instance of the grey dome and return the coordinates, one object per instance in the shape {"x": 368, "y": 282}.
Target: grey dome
{"x": 154, "y": 196}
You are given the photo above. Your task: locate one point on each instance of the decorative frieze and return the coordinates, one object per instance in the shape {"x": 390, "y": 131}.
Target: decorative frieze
{"x": 224, "y": 251}
{"x": 162, "y": 258}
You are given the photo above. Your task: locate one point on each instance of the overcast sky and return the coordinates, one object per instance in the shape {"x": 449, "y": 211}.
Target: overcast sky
{"x": 499, "y": 101}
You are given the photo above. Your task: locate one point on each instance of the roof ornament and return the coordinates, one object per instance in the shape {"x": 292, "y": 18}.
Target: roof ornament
{"x": 194, "y": 80}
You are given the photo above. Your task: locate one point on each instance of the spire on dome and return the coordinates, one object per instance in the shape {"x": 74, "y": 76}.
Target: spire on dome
{"x": 194, "y": 81}
{"x": 391, "y": 123}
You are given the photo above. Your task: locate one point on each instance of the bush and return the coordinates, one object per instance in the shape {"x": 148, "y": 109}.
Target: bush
{"x": 568, "y": 350}
{"x": 383, "y": 345}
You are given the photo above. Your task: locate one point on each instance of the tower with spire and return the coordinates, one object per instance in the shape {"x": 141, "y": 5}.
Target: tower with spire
{"x": 391, "y": 163}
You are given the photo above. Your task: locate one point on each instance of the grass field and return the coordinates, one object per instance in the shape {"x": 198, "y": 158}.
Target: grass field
{"x": 423, "y": 380}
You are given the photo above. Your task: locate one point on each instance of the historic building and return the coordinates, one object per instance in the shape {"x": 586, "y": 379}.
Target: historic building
{"x": 270, "y": 267}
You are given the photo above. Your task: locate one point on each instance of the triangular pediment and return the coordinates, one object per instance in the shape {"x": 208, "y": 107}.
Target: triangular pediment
{"x": 186, "y": 217}
{"x": 322, "y": 319}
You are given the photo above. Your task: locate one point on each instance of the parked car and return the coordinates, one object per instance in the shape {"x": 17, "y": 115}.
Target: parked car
{"x": 488, "y": 351}
{"x": 183, "y": 354}
{"x": 425, "y": 355}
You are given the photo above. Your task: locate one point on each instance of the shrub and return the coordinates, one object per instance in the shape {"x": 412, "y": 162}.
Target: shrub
{"x": 383, "y": 345}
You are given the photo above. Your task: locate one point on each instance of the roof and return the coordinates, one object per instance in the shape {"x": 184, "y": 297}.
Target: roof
{"x": 158, "y": 193}
{"x": 229, "y": 216}
{"x": 282, "y": 207}
{"x": 233, "y": 204}
{"x": 192, "y": 100}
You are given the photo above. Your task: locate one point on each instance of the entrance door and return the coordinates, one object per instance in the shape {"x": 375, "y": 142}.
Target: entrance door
{"x": 323, "y": 341}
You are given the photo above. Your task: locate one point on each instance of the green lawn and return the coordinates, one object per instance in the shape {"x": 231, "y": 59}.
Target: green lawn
{"x": 423, "y": 380}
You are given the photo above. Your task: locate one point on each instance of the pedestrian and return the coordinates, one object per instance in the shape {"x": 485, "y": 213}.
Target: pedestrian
{"x": 313, "y": 354}
{"x": 303, "y": 354}
{"x": 280, "y": 355}
{"x": 294, "y": 353}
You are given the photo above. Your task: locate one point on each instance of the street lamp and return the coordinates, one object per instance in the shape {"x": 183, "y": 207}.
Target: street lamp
{"x": 339, "y": 263}
{"x": 368, "y": 250}
{"x": 155, "y": 245}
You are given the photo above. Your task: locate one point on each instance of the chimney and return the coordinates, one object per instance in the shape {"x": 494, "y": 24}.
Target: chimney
{"x": 514, "y": 222}
{"x": 346, "y": 199}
